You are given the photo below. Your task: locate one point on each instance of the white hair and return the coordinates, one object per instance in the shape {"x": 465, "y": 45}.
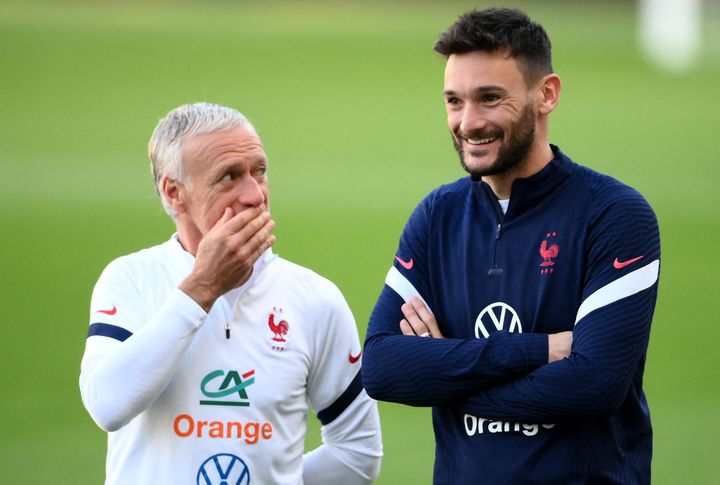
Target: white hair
{"x": 179, "y": 125}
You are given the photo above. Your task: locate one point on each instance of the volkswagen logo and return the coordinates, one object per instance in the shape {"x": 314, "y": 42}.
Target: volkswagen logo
{"x": 223, "y": 469}
{"x": 495, "y": 317}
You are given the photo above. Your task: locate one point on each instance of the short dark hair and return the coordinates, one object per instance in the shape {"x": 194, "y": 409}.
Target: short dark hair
{"x": 498, "y": 29}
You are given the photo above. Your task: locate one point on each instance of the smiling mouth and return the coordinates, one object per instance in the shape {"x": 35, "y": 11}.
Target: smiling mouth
{"x": 481, "y": 141}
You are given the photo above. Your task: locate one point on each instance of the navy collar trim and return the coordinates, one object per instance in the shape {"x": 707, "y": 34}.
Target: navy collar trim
{"x": 530, "y": 191}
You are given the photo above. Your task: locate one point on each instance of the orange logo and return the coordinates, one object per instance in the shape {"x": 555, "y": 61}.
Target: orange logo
{"x": 251, "y": 432}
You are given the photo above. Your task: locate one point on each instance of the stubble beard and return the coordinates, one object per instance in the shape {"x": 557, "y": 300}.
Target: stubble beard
{"x": 513, "y": 151}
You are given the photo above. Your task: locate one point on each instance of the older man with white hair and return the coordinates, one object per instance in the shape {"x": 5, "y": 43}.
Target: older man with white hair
{"x": 203, "y": 352}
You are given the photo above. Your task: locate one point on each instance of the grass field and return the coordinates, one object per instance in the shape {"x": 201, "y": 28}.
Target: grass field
{"x": 347, "y": 98}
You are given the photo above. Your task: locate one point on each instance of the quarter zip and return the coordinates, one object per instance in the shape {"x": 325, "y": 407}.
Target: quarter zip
{"x": 495, "y": 270}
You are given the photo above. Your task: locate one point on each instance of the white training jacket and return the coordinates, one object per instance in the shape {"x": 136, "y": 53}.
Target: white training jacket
{"x": 184, "y": 404}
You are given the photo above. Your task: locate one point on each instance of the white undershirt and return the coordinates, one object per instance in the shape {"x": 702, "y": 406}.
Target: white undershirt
{"x": 504, "y": 204}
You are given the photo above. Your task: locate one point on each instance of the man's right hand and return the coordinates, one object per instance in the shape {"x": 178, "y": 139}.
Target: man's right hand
{"x": 419, "y": 320}
{"x": 559, "y": 345}
{"x": 227, "y": 253}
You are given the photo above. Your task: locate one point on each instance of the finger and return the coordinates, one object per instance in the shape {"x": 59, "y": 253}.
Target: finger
{"x": 260, "y": 240}
{"x": 245, "y": 217}
{"x": 405, "y": 328}
{"x": 251, "y": 250}
{"x": 425, "y": 315}
{"x": 414, "y": 320}
{"x": 226, "y": 216}
{"x": 243, "y": 226}
{"x": 226, "y": 225}
{"x": 263, "y": 247}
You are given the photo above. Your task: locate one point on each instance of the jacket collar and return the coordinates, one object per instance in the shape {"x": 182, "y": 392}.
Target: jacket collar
{"x": 526, "y": 192}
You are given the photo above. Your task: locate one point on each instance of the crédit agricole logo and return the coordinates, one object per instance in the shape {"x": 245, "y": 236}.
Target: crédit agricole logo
{"x": 227, "y": 389}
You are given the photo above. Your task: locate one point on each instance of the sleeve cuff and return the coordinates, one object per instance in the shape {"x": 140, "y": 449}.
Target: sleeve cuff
{"x": 528, "y": 351}
{"x": 183, "y": 308}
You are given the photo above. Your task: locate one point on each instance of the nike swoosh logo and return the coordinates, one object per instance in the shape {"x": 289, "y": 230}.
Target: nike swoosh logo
{"x": 112, "y": 311}
{"x": 354, "y": 358}
{"x": 617, "y": 264}
{"x": 405, "y": 264}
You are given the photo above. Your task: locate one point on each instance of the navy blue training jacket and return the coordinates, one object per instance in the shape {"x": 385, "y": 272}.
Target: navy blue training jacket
{"x": 576, "y": 250}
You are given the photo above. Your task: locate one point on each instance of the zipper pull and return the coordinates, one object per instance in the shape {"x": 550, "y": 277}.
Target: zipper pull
{"x": 227, "y": 330}
{"x": 497, "y": 231}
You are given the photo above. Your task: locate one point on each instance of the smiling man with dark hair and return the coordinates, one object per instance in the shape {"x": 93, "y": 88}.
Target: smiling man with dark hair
{"x": 520, "y": 301}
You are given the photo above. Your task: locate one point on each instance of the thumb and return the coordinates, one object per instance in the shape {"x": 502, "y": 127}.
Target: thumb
{"x": 226, "y": 216}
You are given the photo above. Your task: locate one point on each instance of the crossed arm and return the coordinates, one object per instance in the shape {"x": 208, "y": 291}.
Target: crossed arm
{"x": 589, "y": 371}
{"x": 401, "y": 367}
{"x": 419, "y": 321}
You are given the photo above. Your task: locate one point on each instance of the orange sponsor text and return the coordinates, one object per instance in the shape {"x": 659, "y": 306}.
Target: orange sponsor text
{"x": 251, "y": 432}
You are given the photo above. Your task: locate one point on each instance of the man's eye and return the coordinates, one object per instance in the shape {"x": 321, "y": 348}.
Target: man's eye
{"x": 491, "y": 98}
{"x": 452, "y": 101}
{"x": 228, "y": 177}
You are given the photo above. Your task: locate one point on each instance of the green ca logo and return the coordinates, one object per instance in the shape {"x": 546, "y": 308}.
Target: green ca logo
{"x": 232, "y": 388}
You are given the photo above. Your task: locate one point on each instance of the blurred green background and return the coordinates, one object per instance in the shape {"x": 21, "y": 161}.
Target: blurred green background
{"x": 347, "y": 98}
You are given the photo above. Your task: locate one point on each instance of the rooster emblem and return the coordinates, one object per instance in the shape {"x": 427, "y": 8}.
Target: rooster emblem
{"x": 278, "y": 329}
{"x": 548, "y": 253}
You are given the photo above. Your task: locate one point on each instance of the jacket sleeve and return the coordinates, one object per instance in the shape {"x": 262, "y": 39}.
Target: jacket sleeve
{"x": 352, "y": 445}
{"x": 424, "y": 371}
{"x": 129, "y": 359}
{"x": 612, "y": 326}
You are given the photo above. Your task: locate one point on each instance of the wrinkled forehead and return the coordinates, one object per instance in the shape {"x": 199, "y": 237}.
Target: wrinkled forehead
{"x": 237, "y": 145}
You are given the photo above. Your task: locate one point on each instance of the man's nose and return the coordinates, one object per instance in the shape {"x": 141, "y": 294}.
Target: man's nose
{"x": 250, "y": 193}
{"x": 472, "y": 120}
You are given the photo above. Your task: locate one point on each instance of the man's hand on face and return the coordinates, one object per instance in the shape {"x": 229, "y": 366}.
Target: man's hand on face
{"x": 227, "y": 253}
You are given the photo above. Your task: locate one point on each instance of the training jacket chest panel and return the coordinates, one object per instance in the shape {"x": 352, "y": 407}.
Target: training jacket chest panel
{"x": 529, "y": 261}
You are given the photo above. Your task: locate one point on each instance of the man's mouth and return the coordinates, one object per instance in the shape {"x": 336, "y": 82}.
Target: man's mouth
{"x": 481, "y": 141}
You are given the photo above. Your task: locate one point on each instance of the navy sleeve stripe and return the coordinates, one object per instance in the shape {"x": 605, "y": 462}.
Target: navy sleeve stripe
{"x": 107, "y": 330}
{"x": 329, "y": 414}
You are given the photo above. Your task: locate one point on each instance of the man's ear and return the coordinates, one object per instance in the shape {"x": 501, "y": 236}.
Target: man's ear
{"x": 549, "y": 93}
{"x": 174, "y": 193}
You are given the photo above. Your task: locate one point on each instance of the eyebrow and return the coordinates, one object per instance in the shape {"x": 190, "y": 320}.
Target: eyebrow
{"x": 259, "y": 160}
{"x": 478, "y": 90}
